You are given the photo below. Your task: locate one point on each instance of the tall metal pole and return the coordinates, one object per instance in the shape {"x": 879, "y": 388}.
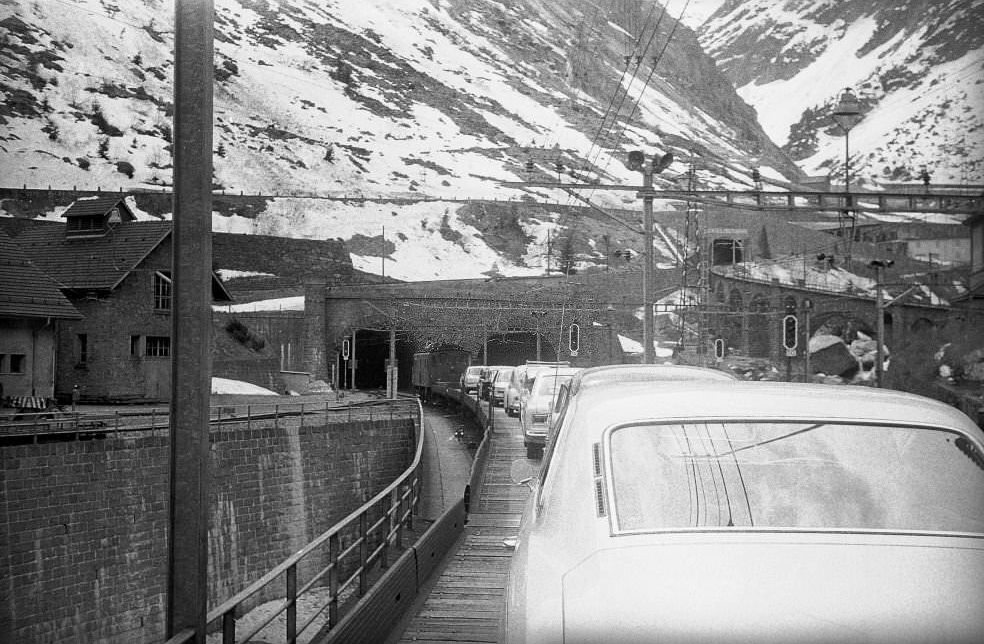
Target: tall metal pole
{"x": 391, "y": 375}
{"x": 191, "y": 240}
{"x": 807, "y": 376}
{"x": 847, "y": 165}
{"x": 879, "y": 324}
{"x": 352, "y": 361}
{"x": 648, "y": 355}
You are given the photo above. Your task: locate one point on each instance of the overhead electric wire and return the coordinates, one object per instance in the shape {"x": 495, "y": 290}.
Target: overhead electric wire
{"x": 626, "y": 89}
{"x": 652, "y": 72}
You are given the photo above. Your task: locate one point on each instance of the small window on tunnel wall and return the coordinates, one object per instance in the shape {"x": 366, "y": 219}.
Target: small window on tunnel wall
{"x": 725, "y": 252}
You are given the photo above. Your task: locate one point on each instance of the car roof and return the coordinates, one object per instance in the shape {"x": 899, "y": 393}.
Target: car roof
{"x": 621, "y": 373}
{"x": 557, "y": 371}
{"x": 634, "y": 401}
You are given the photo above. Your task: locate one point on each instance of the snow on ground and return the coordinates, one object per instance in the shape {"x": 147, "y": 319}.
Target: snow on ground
{"x": 431, "y": 241}
{"x": 227, "y": 386}
{"x": 276, "y": 304}
{"x": 230, "y": 273}
{"x": 695, "y": 12}
{"x": 804, "y": 90}
{"x": 788, "y": 270}
{"x": 634, "y": 347}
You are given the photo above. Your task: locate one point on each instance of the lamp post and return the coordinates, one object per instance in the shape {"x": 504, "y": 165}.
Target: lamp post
{"x": 847, "y": 114}
{"x": 637, "y": 162}
{"x": 879, "y": 266}
{"x": 538, "y": 315}
{"x": 807, "y": 310}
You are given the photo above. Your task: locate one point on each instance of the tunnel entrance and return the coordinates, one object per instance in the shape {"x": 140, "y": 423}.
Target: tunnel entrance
{"x": 371, "y": 353}
{"x": 515, "y": 348}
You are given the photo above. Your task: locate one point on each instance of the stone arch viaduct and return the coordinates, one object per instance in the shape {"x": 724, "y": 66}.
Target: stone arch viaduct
{"x": 499, "y": 320}
{"x": 747, "y": 313}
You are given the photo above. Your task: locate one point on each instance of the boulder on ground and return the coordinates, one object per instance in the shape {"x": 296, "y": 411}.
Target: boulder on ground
{"x": 834, "y": 359}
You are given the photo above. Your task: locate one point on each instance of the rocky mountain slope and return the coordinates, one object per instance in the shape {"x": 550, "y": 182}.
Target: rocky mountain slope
{"x": 411, "y": 108}
{"x": 917, "y": 65}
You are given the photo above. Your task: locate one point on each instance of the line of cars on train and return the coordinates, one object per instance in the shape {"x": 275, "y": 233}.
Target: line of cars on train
{"x": 678, "y": 504}
{"x": 518, "y": 389}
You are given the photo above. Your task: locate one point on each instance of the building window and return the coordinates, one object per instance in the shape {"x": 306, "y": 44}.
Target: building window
{"x": 157, "y": 346}
{"x": 82, "y": 348}
{"x": 85, "y": 224}
{"x": 134, "y": 345}
{"x": 12, "y": 362}
{"x": 162, "y": 291}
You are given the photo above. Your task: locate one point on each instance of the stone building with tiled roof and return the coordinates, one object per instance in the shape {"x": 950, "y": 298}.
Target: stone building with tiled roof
{"x": 116, "y": 272}
{"x": 31, "y": 308}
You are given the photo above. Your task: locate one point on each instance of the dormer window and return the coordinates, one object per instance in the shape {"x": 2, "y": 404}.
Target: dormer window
{"x": 86, "y": 225}
{"x": 96, "y": 217}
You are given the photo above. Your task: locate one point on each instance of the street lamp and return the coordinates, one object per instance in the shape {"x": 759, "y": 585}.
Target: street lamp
{"x": 879, "y": 266}
{"x": 637, "y": 162}
{"x": 847, "y": 114}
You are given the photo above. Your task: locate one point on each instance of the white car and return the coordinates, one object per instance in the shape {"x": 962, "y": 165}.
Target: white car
{"x": 500, "y": 385}
{"x": 536, "y": 407}
{"x": 752, "y": 512}
{"x": 618, "y": 374}
{"x": 469, "y": 379}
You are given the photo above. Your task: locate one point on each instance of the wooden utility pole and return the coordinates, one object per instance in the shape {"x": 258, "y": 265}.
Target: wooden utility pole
{"x": 191, "y": 239}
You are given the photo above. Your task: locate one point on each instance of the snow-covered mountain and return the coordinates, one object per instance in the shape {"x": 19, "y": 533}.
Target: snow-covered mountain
{"x": 917, "y": 65}
{"x": 429, "y": 102}
{"x": 381, "y": 122}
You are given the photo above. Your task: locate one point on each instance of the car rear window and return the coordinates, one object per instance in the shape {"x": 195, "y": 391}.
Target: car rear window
{"x": 794, "y": 475}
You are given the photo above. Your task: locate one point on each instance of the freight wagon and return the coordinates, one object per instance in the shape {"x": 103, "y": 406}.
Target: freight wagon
{"x": 443, "y": 366}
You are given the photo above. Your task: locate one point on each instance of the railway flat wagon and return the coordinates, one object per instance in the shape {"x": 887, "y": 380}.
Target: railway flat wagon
{"x": 443, "y": 366}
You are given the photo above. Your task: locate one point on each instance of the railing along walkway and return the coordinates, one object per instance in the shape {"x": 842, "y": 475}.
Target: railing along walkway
{"x": 60, "y": 421}
{"x": 467, "y": 602}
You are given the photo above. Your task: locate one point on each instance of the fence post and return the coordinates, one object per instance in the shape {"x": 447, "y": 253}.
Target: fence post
{"x": 363, "y": 552}
{"x": 302, "y": 415}
{"x": 398, "y": 516}
{"x": 249, "y": 418}
{"x": 276, "y": 416}
{"x": 333, "y": 549}
{"x": 292, "y": 603}
{"x": 229, "y": 627}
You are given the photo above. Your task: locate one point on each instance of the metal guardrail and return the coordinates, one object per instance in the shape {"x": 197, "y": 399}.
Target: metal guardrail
{"x": 354, "y": 545}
